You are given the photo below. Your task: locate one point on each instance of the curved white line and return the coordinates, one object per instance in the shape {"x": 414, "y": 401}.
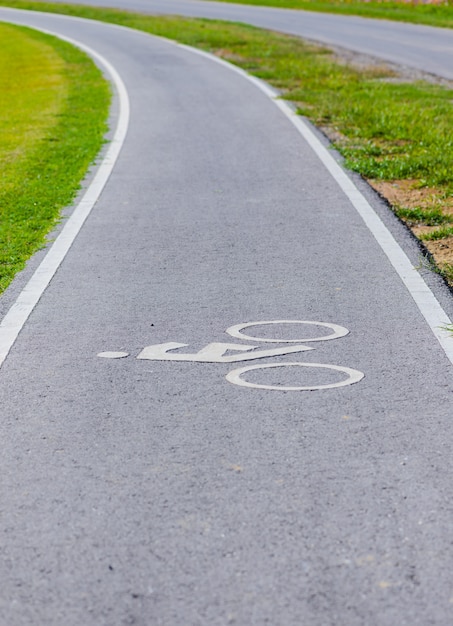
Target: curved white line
{"x": 426, "y": 301}
{"x": 18, "y": 314}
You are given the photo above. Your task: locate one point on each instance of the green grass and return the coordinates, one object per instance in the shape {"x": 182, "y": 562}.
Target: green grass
{"x": 418, "y": 13}
{"x": 447, "y": 273}
{"x": 429, "y": 217}
{"x": 53, "y": 111}
{"x": 439, "y": 233}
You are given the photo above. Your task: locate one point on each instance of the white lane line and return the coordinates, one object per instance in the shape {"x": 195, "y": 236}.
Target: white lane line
{"x": 422, "y": 295}
{"x": 18, "y": 314}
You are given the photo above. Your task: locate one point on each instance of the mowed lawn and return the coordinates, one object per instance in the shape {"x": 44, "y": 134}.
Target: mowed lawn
{"x": 53, "y": 116}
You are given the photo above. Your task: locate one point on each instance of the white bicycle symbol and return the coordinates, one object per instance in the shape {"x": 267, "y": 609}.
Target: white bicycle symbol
{"x": 221, "y": 353}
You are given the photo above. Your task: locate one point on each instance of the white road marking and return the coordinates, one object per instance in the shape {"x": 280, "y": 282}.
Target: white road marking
{"x": 214, "y": 352}
{"x": 18, "y": 314}
{"x": 354, "y": 376}
{"x": 236, "y": 331}
{"x": 113, "y": 355}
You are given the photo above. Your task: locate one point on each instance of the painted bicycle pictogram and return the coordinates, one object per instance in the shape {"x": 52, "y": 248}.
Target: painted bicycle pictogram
{"x": 222, "y": 352}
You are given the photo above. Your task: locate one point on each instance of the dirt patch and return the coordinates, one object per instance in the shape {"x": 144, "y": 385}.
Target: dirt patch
{"x": 228, "y": 55}
{"x": 442, "y": 250}
{"x": 409, "y": 194}
{"x": 420, "y": 230}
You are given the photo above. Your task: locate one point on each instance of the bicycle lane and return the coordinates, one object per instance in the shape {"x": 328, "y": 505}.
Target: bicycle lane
{"x": 153, "y": 488}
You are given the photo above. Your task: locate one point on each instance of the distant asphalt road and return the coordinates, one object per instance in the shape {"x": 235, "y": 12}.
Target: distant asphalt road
{"x": 232, "y": 404}
{"x": 422, "y": 47}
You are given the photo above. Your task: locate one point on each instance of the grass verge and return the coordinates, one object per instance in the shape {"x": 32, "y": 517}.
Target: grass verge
{"x": 433, "y": 14}
{"x": 397, "y": 133}
{"x": 53, "y": 110}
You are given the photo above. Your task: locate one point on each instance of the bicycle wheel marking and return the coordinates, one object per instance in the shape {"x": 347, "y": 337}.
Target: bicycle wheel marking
{"x": 234, "y": 377}
{"x": 221, "y": 352}
{"x": 236, "y": 331}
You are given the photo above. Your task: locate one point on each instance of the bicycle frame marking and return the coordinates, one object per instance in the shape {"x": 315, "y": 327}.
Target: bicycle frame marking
{"x": 214, "y": 352}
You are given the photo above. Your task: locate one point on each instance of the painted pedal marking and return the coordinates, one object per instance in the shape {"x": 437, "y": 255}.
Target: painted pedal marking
{"x": 113, "y": 355}
{"x": 219, "y": 352}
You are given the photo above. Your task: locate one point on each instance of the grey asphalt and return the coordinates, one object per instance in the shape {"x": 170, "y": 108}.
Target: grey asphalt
{"x": 158, "y": 493}
{"x": 423, "y": 47}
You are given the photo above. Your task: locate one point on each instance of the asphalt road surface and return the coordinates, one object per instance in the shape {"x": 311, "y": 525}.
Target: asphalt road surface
{"x": 423, "y": 47}
{"x": 160, "y": 490}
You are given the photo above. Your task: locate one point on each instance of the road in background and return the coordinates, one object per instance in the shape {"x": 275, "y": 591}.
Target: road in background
{"x": 423, "y": 47}
{"x": 156, "y": 491}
